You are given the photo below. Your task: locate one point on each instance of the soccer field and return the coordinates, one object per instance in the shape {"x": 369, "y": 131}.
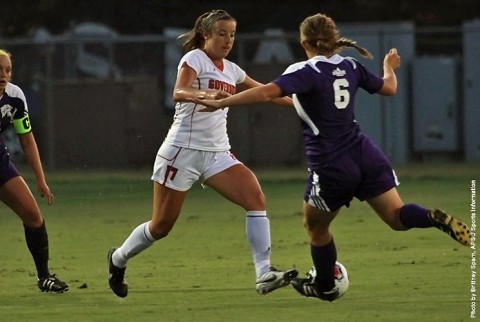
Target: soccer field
{"x": 202, "y": 271}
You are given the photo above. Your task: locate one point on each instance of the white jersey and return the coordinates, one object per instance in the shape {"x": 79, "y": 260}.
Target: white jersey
{"x": 206, "y": 131}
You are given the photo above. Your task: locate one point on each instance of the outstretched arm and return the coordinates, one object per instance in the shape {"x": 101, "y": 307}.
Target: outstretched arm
{"x": 260, "y": 94}
{"x": 251, "y": 83}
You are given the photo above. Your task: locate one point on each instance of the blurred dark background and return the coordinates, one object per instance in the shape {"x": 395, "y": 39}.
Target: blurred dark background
{"x": 151, "y": 16}
{"x": 98, "y": 76}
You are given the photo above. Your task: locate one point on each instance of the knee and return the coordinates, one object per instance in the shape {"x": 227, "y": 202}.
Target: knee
{"x": 32, "y": 218}
{"x": 160, "y": 230}
{"x": 255, "y": 201}
{"x": 316, "y": 229}
{"x": 260, "y": 199}
{"x": 319, "y": 235}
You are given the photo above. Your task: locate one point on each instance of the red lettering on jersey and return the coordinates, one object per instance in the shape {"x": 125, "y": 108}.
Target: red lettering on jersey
{"x": 222, "y": 86}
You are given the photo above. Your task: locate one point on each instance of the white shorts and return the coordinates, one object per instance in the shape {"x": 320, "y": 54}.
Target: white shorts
{"x": 179, "y": 168}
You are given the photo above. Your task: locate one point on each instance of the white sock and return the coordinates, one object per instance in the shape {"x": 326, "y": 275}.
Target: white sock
{"x": 139, "y": 240}
{"x": 258, "y": 235}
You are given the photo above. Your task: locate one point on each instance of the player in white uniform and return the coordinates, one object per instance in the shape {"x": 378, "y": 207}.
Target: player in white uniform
{"x": 197, "y": 148}
{"x": 14, "y": 191}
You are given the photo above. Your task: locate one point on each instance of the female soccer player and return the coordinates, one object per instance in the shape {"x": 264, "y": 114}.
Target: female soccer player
{"x": 14, "y": 192}
{"x": 197, "y": 148}
{"x": 343, "y": 162}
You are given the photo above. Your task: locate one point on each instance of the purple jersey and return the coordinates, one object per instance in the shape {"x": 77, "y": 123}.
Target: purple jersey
{"x": 13, "y": 106}
{"x": 323, "y": 90}
{"x": 7, "y": 168}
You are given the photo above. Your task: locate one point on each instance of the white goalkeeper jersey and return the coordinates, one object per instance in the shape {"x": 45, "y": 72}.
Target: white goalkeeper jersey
{"x": 206, "y": 131}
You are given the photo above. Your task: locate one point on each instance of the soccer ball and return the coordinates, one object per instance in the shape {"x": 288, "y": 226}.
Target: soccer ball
{"x": 341, "y": 278}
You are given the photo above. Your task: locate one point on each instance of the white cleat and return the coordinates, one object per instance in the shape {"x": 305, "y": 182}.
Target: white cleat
{"x": 274, "y": 279}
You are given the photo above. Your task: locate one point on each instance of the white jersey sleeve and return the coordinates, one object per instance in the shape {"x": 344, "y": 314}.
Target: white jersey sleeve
{"x": 296, "y": 66}
{"x": 14, "y": 109}
{"x": 205, "y": 131}
{"x": 13, "y": 90}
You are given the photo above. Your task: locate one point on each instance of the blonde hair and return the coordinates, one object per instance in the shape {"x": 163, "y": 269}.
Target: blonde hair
{"x": 203, "y": 25}
{"x": 3, "y": 52}
{"x": 320, "y": 32}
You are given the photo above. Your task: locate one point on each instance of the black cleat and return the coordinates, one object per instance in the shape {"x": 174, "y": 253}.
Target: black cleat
{"x": 451, "y": 225}
{"x": 308, "y": 288}
{"x": 116, "y": 277}
{"x": 52, "y": 284}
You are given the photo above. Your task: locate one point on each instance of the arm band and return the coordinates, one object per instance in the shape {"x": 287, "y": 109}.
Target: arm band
{"x": 22, "y": 125}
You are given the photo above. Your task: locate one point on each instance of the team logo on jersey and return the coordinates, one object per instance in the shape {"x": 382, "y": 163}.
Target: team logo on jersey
{"x": 6, "y": 110}
{"x": 222, "y": 86}
{"x": 338, "y": 72}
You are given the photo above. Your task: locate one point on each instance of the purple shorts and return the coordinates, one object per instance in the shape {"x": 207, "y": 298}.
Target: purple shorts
{"x": 362, "y": 172}
{"x": 7, "y": 168}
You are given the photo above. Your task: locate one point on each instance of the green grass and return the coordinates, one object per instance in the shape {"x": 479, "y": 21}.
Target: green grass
{"x": 203, "y": 270}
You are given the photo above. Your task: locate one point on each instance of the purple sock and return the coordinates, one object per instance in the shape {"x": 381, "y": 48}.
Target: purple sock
{"x": 324, "y": 259}
{"x": 414, "y": 216}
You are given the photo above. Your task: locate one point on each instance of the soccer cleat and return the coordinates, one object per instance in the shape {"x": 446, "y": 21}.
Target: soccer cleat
{"x": 308, "y": 288}
{"x": 274, "y": 279}
{"x": 52, "y": 284}
{"x": 116, "y": 277}
{"x": 451, "y": 225}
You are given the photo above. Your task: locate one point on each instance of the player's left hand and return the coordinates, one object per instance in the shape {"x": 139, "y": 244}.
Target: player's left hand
{"x": 45, "y": 192}
{"x": 219, "y": 95}
{"x": 392, "y": 58}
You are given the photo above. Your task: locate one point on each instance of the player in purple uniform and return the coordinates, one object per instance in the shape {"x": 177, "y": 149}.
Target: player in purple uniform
{"x": 343, "y": 162}
{"x": 14, "y": 192}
